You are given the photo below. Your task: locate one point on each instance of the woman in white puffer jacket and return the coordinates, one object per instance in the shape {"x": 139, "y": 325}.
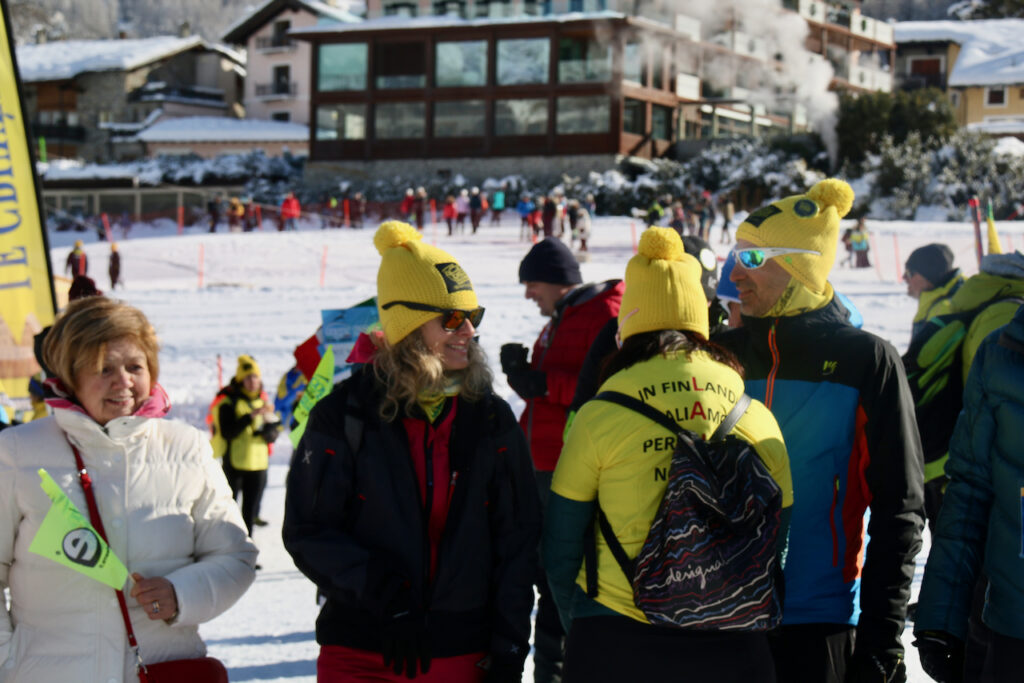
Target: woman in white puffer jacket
{"x": 162, "y": 498}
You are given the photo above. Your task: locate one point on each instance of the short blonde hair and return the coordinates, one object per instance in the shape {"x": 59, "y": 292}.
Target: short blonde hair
{"x": 79, "y": 337}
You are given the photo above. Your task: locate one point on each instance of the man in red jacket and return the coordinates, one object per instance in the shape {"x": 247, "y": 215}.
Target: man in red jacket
{"x": 547, "y": 383}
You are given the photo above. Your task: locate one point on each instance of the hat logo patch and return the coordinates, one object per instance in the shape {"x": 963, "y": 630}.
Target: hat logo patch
{"x": 805, "y": 208}
{"x": 762, "y": 214}
{"x": 455, "y": 278}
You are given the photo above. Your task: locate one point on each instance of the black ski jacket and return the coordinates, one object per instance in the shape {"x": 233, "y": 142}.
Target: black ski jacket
{"x": 354, "y": 516}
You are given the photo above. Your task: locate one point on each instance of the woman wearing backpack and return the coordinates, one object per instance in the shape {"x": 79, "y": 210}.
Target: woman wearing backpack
{"x": 621, "y": 458}
{"x": 410, "y": 499}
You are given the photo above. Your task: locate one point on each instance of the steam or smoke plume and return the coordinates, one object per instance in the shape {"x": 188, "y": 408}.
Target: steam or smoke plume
{"x": 790, "y": 79}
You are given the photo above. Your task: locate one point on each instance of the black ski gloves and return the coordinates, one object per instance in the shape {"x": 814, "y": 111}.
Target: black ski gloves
{"x": 388, "y": 595}
{"x": 504, "y": 670}
{"x": 942, "y": 655}
{"x": 405, "y": 642}
{"x": 524, "y": 381}
{"x": 513, "y": 357}
{"x": 866, "y": 667}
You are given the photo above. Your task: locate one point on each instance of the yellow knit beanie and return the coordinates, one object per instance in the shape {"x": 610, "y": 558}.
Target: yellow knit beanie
{"x": 416, "y": 272}
{"x": 246, "y": 366}
{"x": 803, "y": 221}
{"x": 663, "y": 289}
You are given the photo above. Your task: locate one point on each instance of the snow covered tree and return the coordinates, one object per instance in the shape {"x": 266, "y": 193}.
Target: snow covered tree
{"x": 987, "y": 9}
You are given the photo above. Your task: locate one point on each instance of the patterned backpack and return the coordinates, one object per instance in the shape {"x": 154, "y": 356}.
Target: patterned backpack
{"x": 709, "y": 560}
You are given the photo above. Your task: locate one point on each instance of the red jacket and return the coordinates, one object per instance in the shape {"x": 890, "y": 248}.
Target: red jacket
{"x": 559, "y": 352}
{"x": 290, "y": 208}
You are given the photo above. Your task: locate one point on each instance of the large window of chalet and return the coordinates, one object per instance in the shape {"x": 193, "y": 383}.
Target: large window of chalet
{"x": 399, "y": 120}
{"x": 341, "y": 67}
{"x": 459, "y": 118}
{"x": 634, "y": 63}
{"x": 633, "y": 116}
{"x": 583, "y": 59}
{"x": 523, "y": 60}
{"x": 657, "y": 66}
{"x": 661, "y": 122}
{"x": 400, "y": 65}
{"x": 521, "y": 117}
{"x": 462, "y": 63}
{"x": 589, "y": 114}
{"x": 341, "y": 122}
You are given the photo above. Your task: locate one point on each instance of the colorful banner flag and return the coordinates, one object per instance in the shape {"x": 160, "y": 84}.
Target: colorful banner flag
{"x": 26, "y": 289}
{"x": 320, "y": 384}
{"x": 67, "y": 538}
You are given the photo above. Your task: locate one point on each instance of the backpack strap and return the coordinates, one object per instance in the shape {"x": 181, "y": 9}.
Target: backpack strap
{"x": 627, "y": 565}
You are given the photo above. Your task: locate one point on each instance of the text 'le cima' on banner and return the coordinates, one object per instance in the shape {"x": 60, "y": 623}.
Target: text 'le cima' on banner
{"x": 26, "y": 299}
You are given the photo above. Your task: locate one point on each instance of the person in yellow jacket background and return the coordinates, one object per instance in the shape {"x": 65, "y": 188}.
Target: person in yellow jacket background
{"x": 621, "y": 458}
{"x": 244, "y": 426}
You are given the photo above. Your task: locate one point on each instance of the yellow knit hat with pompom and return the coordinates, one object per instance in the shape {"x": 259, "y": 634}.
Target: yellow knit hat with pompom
{"x": 418, "y": 273}
{"x": 803, "y": 221}
{"x": 663, "y": 289}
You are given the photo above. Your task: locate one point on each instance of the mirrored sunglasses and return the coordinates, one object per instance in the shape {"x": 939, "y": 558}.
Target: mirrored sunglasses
{"x": 756, "y": 257}
{"x": 451, "y": 318}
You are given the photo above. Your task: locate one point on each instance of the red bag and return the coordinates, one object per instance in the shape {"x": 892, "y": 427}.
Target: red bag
{"x": 199, "y": 670}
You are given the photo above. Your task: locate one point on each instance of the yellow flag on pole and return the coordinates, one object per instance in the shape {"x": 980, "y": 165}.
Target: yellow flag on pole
{"x": 994, "y": 247}
{"x": 67, "y": 537}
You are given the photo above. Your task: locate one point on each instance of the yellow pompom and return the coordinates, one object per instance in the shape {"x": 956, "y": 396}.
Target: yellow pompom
{"x": 661, "y": 243}
{"x": 394, "y": 234}
{"x": 833, "y": 192}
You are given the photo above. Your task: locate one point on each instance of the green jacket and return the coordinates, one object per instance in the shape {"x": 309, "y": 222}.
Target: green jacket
{"x": 936, "y": 301}
{"x": 1001, "y": 277}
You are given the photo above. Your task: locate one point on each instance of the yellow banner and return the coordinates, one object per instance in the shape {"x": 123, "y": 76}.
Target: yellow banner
{"x": 26, "y": 301}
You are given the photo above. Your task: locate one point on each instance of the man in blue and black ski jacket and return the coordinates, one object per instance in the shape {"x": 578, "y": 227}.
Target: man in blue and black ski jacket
{"x": 842, "y": 400}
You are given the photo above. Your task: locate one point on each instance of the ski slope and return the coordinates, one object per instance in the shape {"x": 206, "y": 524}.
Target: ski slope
{"x": 262, "y": 293}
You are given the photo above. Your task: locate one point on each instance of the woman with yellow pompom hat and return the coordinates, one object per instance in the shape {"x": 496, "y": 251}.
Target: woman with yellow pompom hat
{"x": 410, "y": 498}
{"x": 619, "y": 456}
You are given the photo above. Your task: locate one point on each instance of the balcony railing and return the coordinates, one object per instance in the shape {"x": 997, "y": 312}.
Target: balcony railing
{"x": 917, "y": 81}
{"x": 58, "y": 131}
{"x": 268, "y": 43}
{"x": 288, "y": 89}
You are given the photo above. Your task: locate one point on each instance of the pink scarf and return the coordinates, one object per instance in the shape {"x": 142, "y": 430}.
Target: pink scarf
{"x": 157, "y": 405}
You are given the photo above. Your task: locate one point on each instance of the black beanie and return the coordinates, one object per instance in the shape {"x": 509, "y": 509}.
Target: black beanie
{"x": 705, "y": 255}
{"x": 550, "y": 261}
{"x": 932, "y": 261}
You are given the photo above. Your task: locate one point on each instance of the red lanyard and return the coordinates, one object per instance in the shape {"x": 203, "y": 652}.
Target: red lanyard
{"x": 97, "y": 522}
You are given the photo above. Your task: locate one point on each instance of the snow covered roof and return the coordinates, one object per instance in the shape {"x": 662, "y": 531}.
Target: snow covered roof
{"x": 1007, "y": 126}
{"x": 239, "y": 32}
{"x": 991, "y": 50}
{"x": 223, "y": 129}
{"x": 65, "y": 59}
{"x": 446, "y": 21}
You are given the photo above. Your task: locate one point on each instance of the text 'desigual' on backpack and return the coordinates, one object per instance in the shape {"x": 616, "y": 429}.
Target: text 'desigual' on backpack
{"x": 709, "y": 560}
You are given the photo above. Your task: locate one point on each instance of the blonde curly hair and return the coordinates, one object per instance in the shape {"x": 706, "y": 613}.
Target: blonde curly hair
{"x": 409, "y": 369}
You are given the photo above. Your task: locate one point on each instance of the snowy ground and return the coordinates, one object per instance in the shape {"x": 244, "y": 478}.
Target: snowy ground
{"x": 262, "y": 294}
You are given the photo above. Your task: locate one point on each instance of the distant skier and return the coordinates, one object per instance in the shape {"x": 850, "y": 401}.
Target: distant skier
{"x": 114, "y": 267}
{"x": 78, "y": 262}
